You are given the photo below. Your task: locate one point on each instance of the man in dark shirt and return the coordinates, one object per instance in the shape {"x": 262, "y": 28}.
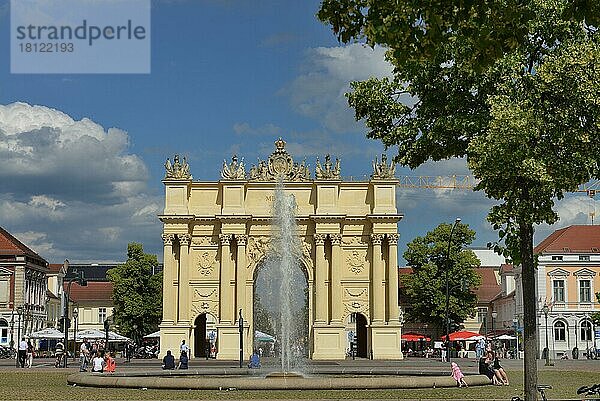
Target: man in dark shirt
{"x": 168, "y": 361}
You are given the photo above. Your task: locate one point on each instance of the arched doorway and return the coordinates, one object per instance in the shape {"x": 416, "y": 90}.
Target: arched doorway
{"x": 204, "y": 335}
{"x": 268, "y": 316}
{"x": 361, "y": 335}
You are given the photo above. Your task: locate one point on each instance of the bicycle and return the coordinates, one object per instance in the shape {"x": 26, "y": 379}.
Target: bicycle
{"x": 541, "y": 388}
{"x": 589, "y": 391}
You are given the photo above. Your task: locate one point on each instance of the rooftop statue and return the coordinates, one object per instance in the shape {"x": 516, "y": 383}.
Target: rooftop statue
{"x": 328, "y": 172}
{"x": 382, "y": 170}
{"x": 280, "y": 164}
{"x": 233, "y": 170}
{"x": 177, "y": 170}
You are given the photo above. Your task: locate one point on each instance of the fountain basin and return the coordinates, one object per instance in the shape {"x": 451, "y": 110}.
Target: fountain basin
{"x": 252, "y": 381}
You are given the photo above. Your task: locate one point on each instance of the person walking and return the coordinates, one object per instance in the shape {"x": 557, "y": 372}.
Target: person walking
{"x": 22, "y": 352}
{"x": 83, "y": 356}
{"x": 184, "y": 348}
{"x": 458, "y": 375}
{"x": 29, "y": 354}
{"x": 59, "y": 351}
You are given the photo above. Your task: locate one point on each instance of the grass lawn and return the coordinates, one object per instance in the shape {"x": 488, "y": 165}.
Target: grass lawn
{"x": 51, "y": 385}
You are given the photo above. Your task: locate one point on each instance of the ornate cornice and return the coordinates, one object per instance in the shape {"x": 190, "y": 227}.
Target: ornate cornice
{"x": 175, "y": 219}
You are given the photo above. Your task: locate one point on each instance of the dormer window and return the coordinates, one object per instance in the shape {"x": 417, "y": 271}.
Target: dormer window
{"x": 557, "y": 257}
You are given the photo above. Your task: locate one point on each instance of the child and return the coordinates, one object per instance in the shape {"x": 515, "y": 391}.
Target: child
{"x": 458, "y": 375}
{"x": 110, "y": 363}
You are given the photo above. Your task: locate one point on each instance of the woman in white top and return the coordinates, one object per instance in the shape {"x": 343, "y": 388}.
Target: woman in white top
{"x": 98, "y": 363}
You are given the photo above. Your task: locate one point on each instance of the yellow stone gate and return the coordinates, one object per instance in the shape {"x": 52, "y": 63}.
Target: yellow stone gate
{"x": 216, "y": 234}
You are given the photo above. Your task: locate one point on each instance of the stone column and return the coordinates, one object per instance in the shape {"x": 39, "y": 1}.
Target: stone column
{"x": 336, "y": 277}
{"x": 321, "y": 296}
{"x": 225, "y": 299}
{"x": 240, "y": 278}
{"x": 184, "y": 278}
{"x": 392, "y": 279}
{"x": 169, "y": 296}
{"x": 378, "y": 289}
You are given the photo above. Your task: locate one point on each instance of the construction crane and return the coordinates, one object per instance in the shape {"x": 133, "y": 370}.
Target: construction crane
{"x": 469, "y": 182}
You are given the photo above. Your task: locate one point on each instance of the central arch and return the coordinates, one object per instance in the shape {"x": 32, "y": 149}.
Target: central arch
{"x": 266, "y": 300}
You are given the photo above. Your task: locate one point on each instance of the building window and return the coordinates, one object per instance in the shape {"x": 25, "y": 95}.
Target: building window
{"x": 481, "y": 315}
{"x": 584, "y": 258}
{"x": 558, "y": 290}
{"x": 586, "y": 331}
{"x": 3, "y": 331}
{"x": 585, "y": 291}
{"x": 101, "y": 315}
{"x": 556, "y": 257}
{"x": 559, "y": 331}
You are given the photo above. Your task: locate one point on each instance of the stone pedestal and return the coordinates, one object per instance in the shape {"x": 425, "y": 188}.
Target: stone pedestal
{"x": 171, "y": 336}
{"x": 329, "y": 342}
{"x": 385, "y": 341}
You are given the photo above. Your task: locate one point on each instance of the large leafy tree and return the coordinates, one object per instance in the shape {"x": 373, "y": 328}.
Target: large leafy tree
{"x": 137, "y": 293}
{"x": 425, "y": 288}
{"x": 512, "y": 85}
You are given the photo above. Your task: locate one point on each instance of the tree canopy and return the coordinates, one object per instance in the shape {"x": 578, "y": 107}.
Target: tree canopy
{"x": 512, "y": 85}
{"x": 137, "y": 293}
{"x": 425, "y": 288}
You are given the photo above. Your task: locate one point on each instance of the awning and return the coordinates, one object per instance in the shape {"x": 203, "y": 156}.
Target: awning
{"x": 464, "y": 335}
{"x": 505, "y": 337}
{"x": 414, "y": 337}
{"x": 156, "y": 334}
{"x": 92, "y": 334}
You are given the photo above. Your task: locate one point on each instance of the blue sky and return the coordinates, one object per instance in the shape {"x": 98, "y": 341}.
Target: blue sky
{"x": 82, "y": 159}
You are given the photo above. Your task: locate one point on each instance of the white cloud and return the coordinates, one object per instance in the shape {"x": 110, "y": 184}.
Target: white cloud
{"x": 326, "y": 75}
{"x": 76, "y": 183}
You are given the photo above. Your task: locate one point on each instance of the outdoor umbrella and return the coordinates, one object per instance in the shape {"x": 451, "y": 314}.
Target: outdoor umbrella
{"x": 263, "y": 337}
{"x": 464, "y": 335}
{"x": 156, "y": 334}
{"x": 90, "y": 334}
{"x": 414, "y": 337}
{"x": 506, "y": 337}
{"x": 49, "y": 333}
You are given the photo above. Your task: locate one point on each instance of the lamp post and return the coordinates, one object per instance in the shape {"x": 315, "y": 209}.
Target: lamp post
{"x": 106, "y": 329}
{"x": 545, "y": 310}
{"x": 75, "y": 315}
{"x": 135, "y": 326}
{"x": 494, "y": 316}
{"x": 12, "y": 329}
{"x": 66, "y": 322}
{"x": 516, "y": 327}
{"x": 456, "y": 222}
{"x": 19, "y": 312}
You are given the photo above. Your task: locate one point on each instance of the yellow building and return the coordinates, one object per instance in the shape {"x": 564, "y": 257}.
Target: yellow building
{"x": 217, "y": 237}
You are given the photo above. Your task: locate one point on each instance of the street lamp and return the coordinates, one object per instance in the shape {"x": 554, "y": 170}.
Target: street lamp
{"x": 494, "y": 316}
{"x": 545, "y": 310}
{"x": 75, "y": 315}
{"x": 241, "y": 329}
{"x": 19, "y": 312}
{"x": 66, "y": 322}
{"x": 456, "y": 222}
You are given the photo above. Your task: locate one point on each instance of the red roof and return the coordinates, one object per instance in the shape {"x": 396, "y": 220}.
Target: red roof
{"x": 572, "y": 239}
{"x": 54, "y": 267}
{"x": 489, "y": 287}
{"x": 9, "y": 245}
{"x": 505, "y": 268}
{"x": 94, "y": 291}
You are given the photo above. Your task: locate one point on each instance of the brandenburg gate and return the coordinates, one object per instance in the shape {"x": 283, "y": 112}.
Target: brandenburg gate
{"x": 217, "y": 234}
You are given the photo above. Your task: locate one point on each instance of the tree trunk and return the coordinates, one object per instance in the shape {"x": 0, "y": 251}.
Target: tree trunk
{"x": 529, "y": 310}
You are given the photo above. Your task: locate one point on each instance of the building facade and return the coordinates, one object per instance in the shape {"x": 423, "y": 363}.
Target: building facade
{"x": 567, "y": 280}
{"x": 22, "y": 289}
{"x": 217, "y": 236}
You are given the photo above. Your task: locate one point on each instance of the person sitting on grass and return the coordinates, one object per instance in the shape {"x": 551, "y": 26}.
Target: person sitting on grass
{"x": 254, "y": 361}
{"x": 168, "y": 361}
{"x": 110, "y": 362}
{"x": 183, "y": 361}
{"x": 98, "y": 363}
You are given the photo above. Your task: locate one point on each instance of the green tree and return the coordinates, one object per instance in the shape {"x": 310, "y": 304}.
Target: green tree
{"x": 425, "y": 288}
{"x": 262, "y": 318}
{"x": 596, "y": 316}
{"x": 519, "y": 99}
{"x": 137, "y": 293}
